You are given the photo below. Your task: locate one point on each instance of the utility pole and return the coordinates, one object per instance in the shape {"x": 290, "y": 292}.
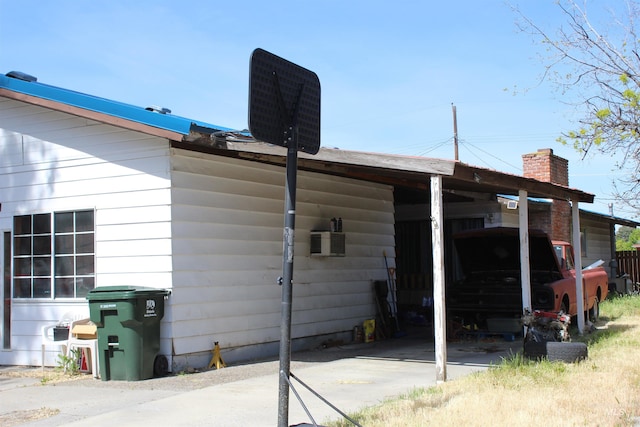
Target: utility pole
{"x": 455, "y": 132}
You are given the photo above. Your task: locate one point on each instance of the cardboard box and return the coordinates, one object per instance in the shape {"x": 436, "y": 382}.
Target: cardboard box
{"x": 87, "y": 331}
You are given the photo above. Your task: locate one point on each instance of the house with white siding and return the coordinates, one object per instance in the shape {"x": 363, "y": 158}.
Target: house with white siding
{"x": 97, "y": 193}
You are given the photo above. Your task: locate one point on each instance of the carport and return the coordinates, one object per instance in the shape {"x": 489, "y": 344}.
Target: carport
{"x": 418, "y": 180}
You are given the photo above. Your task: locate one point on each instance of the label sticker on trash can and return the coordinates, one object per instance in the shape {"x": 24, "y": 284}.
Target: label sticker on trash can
{"x": 151, "y": 308}
{"x": 111, "y": 305}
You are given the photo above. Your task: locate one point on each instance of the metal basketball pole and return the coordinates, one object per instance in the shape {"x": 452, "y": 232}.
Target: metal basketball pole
{"x": 284, "y": 110}
{"x": 287, "y": 277}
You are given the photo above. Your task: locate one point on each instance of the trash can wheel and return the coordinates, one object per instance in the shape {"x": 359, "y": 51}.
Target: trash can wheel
{"x": 160, "y": 366}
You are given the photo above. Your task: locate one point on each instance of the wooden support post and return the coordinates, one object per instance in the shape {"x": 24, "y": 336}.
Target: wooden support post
{"x": 439, "y": 306}
{"x": 525, "y": 270}
{"x": 577, "y": 260}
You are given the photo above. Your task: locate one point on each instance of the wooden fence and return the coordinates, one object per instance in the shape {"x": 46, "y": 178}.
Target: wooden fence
{"x": 629, "y": 263}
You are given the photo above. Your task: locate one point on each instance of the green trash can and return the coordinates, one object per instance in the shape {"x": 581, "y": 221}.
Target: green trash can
{"x": 128, "y": 323}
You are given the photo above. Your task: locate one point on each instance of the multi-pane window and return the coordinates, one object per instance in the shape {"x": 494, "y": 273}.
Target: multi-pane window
{"x": 74, "y": 253}
{"x": 32, "y": 256}
{"x": 54, "y": 255}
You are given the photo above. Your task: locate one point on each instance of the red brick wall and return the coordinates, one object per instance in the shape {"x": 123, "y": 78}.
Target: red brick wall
{"x": 540, "y": 221}
{"x": 561, "y": 220}
{"x": 543, "y": 165}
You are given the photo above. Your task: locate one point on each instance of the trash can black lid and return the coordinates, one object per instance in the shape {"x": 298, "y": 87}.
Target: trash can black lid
{"x": 124, "y": 292}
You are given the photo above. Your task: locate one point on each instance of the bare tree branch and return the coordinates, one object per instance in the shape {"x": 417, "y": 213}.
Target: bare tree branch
{"x": 600, "y": 65}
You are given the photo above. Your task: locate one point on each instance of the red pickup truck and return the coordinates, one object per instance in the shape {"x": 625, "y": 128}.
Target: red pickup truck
{"x": 486, "y": 282}
{"x": 594, "y": 279}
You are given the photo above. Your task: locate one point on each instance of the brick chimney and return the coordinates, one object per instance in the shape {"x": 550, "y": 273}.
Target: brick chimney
{"x": 543, "y": 165}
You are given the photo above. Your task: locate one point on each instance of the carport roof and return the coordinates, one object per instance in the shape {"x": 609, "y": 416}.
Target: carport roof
{"x": 399, "y": 171}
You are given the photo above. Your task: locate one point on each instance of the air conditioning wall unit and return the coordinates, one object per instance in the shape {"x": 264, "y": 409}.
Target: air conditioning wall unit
{"x": 327, "y": 243}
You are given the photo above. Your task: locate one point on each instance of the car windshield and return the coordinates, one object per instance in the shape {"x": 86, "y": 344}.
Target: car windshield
{"x": 565, "y": 259}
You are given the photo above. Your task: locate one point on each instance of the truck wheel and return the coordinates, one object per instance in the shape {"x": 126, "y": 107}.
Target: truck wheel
{"x": 556, "y": 351}
{"x": 594, "y": 312}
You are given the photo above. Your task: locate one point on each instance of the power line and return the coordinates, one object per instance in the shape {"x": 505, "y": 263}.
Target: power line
{"x": 418, "y": 149}
{"x": 468, "y": 144}
{"x": 435, "y": 147}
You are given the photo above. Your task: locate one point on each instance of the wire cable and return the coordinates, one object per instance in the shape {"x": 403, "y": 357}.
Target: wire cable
{"x": 466, "y": 144}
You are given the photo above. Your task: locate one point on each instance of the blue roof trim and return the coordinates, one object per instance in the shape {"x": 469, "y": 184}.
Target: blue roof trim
{"x": 121, "y": 110}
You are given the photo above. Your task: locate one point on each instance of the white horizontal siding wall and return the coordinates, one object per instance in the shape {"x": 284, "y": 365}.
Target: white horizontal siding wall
{"x": 598, "y": 242}
{"x": 228, "y": 218}
{"x": 51, "y": 161}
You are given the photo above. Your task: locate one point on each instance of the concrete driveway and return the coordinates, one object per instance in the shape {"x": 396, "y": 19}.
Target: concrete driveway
{"x": 350, "y": 377}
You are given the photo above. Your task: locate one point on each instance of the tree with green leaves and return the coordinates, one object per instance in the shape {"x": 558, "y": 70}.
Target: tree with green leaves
{"x": 599, "y": 67}
{"x": 626, "y": 237}
{"x": 623, "y": 233}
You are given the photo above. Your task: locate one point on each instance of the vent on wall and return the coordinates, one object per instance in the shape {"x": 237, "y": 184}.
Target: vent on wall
{"x": 326, "y": 243}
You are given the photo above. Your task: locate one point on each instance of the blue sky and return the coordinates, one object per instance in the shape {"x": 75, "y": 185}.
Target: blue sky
{"x": 389, "y": 71}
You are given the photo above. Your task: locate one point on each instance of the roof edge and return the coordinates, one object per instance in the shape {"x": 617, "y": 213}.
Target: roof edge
{"x": 101, "y": 109}
{"x": 534, "y": 187}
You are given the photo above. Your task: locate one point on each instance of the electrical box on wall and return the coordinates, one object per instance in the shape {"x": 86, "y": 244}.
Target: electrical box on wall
{"x": 326, "y": 243}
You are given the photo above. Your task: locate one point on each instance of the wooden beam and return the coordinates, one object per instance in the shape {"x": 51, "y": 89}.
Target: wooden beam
{"x": 487, "y": 180}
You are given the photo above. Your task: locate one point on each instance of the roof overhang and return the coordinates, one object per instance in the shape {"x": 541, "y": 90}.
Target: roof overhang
{"x": 487, "y": 180}
{"x": 405, "y": 171}
{"x": 613, "y": 220}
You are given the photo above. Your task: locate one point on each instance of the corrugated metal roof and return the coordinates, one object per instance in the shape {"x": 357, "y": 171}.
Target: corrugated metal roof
{"x": 116, "y": 109}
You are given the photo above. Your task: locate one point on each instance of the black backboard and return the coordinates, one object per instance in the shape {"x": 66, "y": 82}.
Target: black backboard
{"x": 283, "y": 95}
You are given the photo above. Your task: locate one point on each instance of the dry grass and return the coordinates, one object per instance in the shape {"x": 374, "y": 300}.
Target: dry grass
{"x": 49, "y": 376}
{"x": 17, "y": 418}
{"x": 604, "y": 390}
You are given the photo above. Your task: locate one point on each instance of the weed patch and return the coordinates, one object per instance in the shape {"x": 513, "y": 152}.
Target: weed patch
{"x": 599, "y": 391}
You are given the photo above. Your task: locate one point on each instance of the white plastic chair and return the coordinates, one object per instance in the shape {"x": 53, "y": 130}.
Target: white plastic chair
{"x": 47, "y": 334}
{"x": 82, "y": 343}
{"x": 47, "y": 340}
